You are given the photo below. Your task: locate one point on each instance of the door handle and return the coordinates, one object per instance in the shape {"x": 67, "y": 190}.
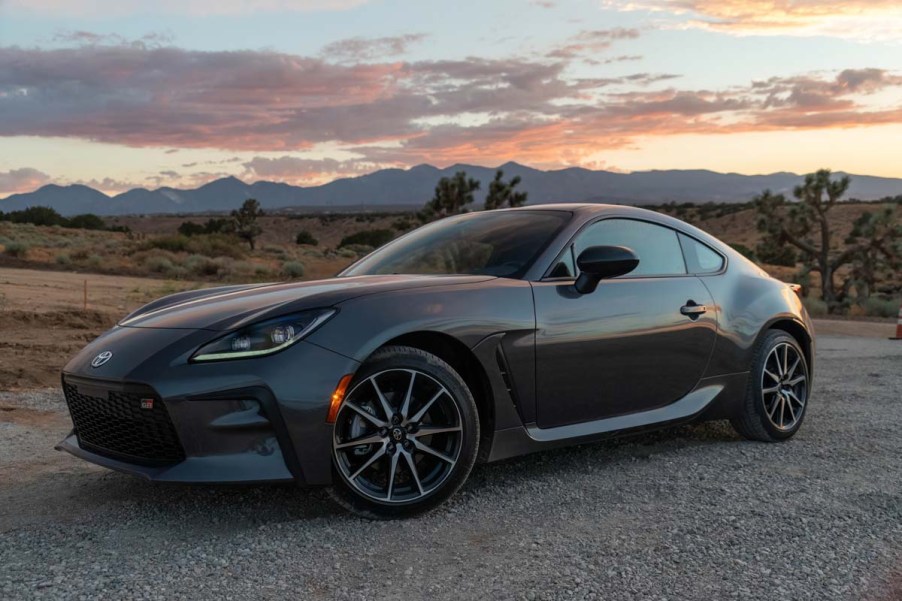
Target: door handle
{"x": 693, "y": 310}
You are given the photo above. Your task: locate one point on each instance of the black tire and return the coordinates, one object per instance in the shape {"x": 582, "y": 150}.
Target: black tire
{"x": 754, "y": 422}
{"x": 391, "y": 360}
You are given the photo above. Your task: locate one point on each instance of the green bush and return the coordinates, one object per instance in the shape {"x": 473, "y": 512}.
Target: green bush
{"x": 79, "y": 254}
{"x": 216, "y": 245}
{"x": 744, "y": 250}
{"x": 63, "y": 260}
{"x": 305, "y": 237}
{"x": 293, "y": 269}
{"x": 781, "y": 255}
{"x": 374, "y": 238}
{"x": 16, "y": 249}
{"x": 50, "y": 217}
{"x": 189, "y": 228}
{"x": 816, "y": 307}
{"x": 202, "y": 266}
{"x": 35, "y": 216}
{"x": 881, "y": 307}
{"x": 173, "y": 244}
{"x": 86, "y": 221}
{"x": 158, "y": 264}
{"x": 210, "y": 245}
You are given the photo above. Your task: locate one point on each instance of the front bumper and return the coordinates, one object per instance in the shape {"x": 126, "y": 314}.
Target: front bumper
{"x": 250, "y": 420}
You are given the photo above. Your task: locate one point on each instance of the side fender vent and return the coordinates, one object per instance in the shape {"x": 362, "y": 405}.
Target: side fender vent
{"x": 504, "y": 370}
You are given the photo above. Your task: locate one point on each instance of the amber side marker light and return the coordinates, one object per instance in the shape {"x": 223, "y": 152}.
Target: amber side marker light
{"x": 797, "y": 288}
{"x": 337, "y": 397}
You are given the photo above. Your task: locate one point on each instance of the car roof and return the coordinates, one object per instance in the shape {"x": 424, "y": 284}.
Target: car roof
{"x": 585, "y": 212}
{"x": 583, "y": 207}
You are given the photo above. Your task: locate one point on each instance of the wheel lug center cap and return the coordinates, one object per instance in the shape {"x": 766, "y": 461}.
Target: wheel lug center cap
{"x": 397, "y": 434}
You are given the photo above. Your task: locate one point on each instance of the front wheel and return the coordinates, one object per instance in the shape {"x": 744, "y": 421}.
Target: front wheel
{"x": 777, "y": 394}
{"x": 405, "y": 437}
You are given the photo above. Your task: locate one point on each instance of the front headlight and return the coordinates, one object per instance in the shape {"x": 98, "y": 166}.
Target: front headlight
{"x": 263, "y": 338}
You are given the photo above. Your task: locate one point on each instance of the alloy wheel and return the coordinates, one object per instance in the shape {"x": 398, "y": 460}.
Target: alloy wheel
{"x": 398, "y": 436}
{"x": 784, "y": 386}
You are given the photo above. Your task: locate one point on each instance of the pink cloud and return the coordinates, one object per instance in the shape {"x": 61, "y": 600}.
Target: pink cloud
{"x": 24, "y": 179}
{"x": 396, "y": 112}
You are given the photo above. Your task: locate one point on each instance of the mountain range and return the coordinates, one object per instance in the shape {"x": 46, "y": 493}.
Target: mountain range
{"x": 393, "y": 188}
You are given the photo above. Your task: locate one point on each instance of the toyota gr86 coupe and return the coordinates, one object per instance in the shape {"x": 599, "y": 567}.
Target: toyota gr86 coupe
{"x": 478, "y": 337}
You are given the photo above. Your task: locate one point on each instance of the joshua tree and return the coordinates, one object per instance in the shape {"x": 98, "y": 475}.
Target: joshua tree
{"x": 502, "y": 194}
{"x": 876, "y": 244}
{"x": 452, "y": 195}
{"x": 805, "y": 226}
{"x": 244, "y": 221}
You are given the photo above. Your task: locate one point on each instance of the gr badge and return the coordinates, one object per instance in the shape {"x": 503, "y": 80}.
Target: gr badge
{"x": 146, "y": 403}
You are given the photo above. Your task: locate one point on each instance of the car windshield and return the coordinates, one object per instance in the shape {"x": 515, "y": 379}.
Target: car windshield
{"x": 498, "y": 243}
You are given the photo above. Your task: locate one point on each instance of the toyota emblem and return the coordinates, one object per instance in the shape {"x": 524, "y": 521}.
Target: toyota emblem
{"x": 101, "y": 358}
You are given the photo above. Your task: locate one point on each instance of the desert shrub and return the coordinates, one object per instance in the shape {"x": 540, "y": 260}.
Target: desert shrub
{"x": 776, "y": 255}
{"x": 189, "y": 228}
{"x": 293, "y": 269}
{"x": 94, "y": 261}
{"x": 212, "y": 226}
{"x": 744, "y": 250}
{"x": 373, "y": 238}
{"x": 202, "y": 266}
{"x": 35, "y": 216}
{"x": 217, "y": 226}
{"x": 402, "y": 224}
{"x": 881, "y": 307}
{"x": 351, "y": 253}
{"x": 262, "y": 271}
{"x": 816, "y": 307}
{"x": 242, "y": 269}
{"x": 47, "y": 216}
{"x": 86, "y": 221}
{"x": 16, "y": 249}
{"x": 169, "y": 243}
{"x": 210, "y": 245}
{"x": 305, "y": 237}
{"x": 158, "y": 264}
{"x": 79, "y": 254}
{"x": 63, "y": 260}
{"x": 216, "y": 245}
{"x": 274, "y": 250}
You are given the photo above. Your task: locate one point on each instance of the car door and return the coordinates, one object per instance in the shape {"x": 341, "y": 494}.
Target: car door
{"x": 638, "y": 342}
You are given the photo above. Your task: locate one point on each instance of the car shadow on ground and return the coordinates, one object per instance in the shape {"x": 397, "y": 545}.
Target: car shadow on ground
{"x": 67, "y": 495}
{"x": 644, "y": 445}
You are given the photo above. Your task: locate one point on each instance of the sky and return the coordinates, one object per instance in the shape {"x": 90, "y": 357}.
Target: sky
{"x": 118, "y": 94}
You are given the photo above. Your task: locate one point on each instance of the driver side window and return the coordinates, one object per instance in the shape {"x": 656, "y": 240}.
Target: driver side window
{"x": 657, "y": 247}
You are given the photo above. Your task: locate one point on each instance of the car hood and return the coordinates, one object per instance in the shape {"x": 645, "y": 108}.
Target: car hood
{"x": 231, "y": 307}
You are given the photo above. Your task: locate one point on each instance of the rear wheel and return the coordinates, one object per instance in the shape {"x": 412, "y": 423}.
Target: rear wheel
{"x": 405, "y": 436}
{"x": 777, "y": 394}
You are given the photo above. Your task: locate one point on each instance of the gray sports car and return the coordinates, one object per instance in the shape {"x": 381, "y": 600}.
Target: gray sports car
{"x": 475, "y": 338}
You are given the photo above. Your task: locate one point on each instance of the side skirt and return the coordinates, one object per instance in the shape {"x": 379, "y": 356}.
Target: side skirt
{"x": 711, "y": 399}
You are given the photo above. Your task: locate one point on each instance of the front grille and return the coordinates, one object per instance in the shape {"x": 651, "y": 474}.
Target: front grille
{"x": 113, "y": 423}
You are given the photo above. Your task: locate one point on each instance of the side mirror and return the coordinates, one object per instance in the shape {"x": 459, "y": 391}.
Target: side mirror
{"x": 599, "y": 262}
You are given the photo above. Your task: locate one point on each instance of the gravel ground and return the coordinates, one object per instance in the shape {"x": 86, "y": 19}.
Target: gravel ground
{"x": 689, "y": 513}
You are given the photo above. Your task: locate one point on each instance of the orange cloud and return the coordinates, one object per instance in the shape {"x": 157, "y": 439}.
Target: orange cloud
{"x": 397, "y": 113}
{"x": 859, "y": 19}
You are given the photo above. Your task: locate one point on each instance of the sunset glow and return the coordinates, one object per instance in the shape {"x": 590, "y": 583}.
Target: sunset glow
{"x": 129, "y": 94}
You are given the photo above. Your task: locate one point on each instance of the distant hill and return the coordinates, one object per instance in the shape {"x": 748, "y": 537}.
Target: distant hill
{"x": 414, "y": 186}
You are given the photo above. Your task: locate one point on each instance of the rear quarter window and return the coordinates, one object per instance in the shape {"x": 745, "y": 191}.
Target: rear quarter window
{"x": 700, "y": 258}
